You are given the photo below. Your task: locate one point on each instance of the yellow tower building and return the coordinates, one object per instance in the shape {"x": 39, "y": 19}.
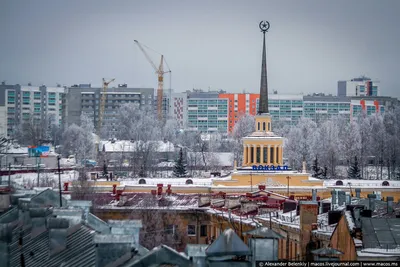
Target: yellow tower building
{"x": 263, "y": 147}
{"x": 263, "y": 150}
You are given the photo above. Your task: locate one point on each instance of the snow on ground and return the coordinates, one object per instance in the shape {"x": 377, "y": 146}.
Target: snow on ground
{"x": 362, "y": 183}
{"x": 165, "y": 181}
{"x": 29, "y": 180}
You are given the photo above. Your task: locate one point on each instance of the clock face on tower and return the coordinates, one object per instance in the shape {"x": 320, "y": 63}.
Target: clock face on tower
{"x": 264, "y": 26}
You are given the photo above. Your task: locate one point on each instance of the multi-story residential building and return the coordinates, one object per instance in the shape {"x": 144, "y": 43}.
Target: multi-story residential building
{"x": 21, "y": 103}
{"x": 361, "y": 86}
{"x": 175, "y": 107}
{"x": 207, "y": 112}
{"x": 240, "y": 104}
{"x": 86, "y": 99}
{"x": 320, "y": 108}
{"x": 286, "y": 109}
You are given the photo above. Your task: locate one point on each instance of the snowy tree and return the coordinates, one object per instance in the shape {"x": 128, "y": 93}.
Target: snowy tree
{"x": 364, "y": 123}
{"x": 180, "y": 166}
{"x": 350, "y": 139}
{"x": 31, "y": 131}
{"x": 142, "y": 127}
{"x": 377, "y": 144}
{"x": 328, "y": 143}
{"x": 354, "y": 171}
{"x": 243, "y": 127}
{"x": 171, "y": 130}
{"x": 78, "y": 142}
{"x": 300, "y": 145}
{"x": 87, "y": 123}
{"x": 317, "y": 171}
{"x": 391, "y": 121}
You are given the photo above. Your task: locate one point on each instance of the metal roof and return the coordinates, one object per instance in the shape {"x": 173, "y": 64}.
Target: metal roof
{"x": 228, "y": 243}
{"x": 80, "y": 250}
{"x": 161, "y": 255}
{"x": 265, "y": 233}
{"x": 381, "y": 232}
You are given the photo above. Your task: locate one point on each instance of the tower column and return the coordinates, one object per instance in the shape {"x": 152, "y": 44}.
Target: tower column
{"x": 254, "y": 154}
{"x": 244, "y": 154}
{"x": 275, "y": 158}
{"x": 261, "y": 154}
{"x": 269, "y": 155}
{"x": 281, "y": 156}
{"x": 248, "y": 155}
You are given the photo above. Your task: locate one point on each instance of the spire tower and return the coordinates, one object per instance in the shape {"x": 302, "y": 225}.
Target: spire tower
{"x": 263, "y": 104}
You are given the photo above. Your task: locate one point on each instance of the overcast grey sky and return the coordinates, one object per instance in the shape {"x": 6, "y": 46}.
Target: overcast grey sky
{"x": 311, "y": 44}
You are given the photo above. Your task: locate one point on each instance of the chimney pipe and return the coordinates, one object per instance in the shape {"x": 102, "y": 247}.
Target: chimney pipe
{"x": 342, "y": 198}
{"x": 261, "y": 187}
{"x": 371, "y": 202}
{"x": 358, "y": 192}
{"x": 348, "y": 199}
{"x": 57, "y": 234}
{"x": 159, "y": 189}
{"x": 169, "y": 191}
{"x": 389, "y": 205}
{"x": 334, "y": 199}
{"x": 314, "y": 194}
{"x": 65, "y": 186}
{"x": 114, "y": 189}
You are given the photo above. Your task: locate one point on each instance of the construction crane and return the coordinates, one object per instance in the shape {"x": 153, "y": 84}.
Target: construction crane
{"x": 160, "y": 72}
{"x": 103, "y": 103}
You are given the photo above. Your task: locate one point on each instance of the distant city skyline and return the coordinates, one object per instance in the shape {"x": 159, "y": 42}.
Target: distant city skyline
{"x": 311, "y": 45}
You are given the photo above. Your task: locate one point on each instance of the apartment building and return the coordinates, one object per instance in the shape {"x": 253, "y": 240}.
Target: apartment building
{"x": 207, "y": 112}
{"x": 361, "y": 86}
{"x": 19, "y": 103}
{"x": 86, "y": 99}
{"x": 175, "y": 107}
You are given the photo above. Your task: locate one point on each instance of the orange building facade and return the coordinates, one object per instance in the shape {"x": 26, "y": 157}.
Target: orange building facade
{"x": 240, "y": 104}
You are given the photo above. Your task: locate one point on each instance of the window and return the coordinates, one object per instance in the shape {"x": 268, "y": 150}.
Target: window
{"x": 36, "y": 95}
{"x": 171, "y": 229}
{"x": 203, "y": 230}
{"x": 191, "y": 229}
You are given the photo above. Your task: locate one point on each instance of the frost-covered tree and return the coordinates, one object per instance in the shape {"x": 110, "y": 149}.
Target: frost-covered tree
{"x": 328, "y": 143}
{"x": 243, "y": 127}
{"x": 300, "y": 145}
{"x": 391, "y": 121}
{"x": 142, "y": 127}
{"x": 377, "y": 145}
{"x": 354, "y": 171}
{"x": 350, "y": 139}
{"x": 180, "y": 166}
{"x": 31, "y": 131}
{"x": 78, "y": 142}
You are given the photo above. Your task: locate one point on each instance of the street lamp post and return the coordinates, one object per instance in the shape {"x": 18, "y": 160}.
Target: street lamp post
{"x": 251, "y": 181}
{"x": 59, "y": 178}
{"x": 351, "y": 193}
{"x": 288, "y": 179}
{"x": 9, "y": 175}
{"x": 38, "y": 168}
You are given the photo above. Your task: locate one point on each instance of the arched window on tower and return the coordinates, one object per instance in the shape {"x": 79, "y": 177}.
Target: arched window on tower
{"x": 259, "y": 126}
{"x": 269, "y": 127}
{"x": 264, "y": 126}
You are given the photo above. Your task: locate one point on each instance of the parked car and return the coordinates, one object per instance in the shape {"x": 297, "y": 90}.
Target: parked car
{"x": 89, "y": 163}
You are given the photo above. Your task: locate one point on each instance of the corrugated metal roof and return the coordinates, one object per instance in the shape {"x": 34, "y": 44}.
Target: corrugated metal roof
{"x": 80, "y": 250}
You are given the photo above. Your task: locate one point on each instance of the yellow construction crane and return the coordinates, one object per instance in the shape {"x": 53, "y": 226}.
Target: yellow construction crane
{"x": 103, "y": 103}
{"x": 160, "y": 72}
